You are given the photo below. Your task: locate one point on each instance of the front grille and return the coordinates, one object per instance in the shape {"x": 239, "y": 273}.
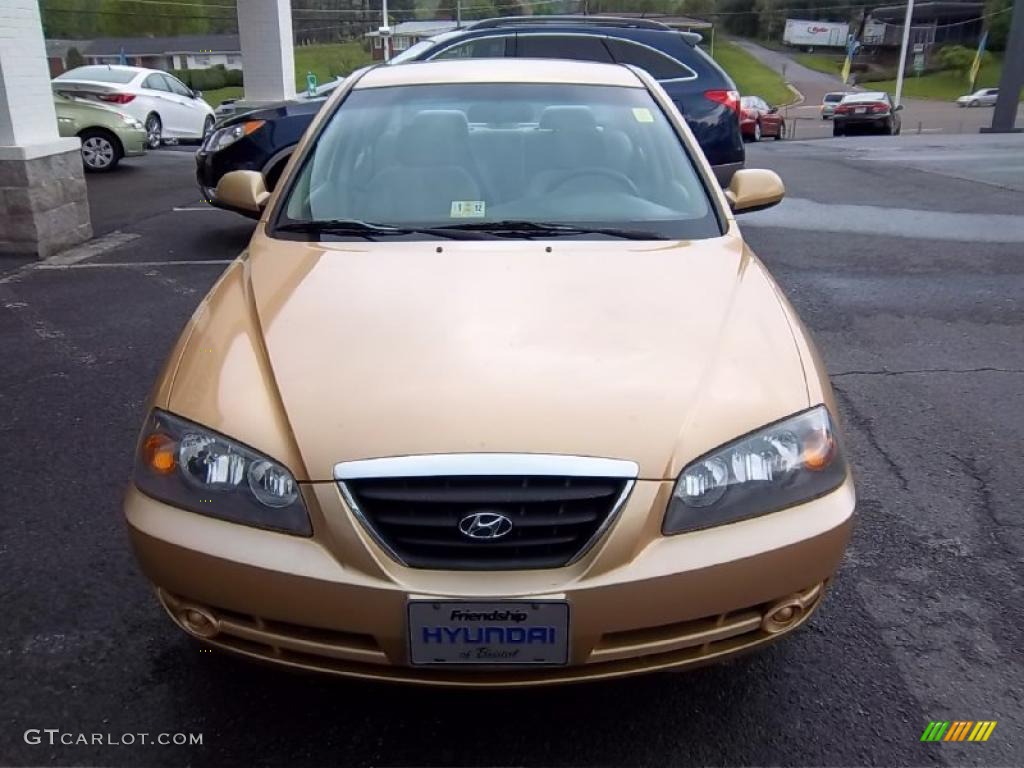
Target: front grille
{"x": 554, "y": 519}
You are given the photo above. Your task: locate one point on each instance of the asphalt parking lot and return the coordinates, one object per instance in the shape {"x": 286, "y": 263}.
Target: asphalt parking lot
{"x": 903, "y": 256}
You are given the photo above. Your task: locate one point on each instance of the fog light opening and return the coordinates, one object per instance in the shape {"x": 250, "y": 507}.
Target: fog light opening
{"x": 783, "y": 615}
{"x": 198, "y": 621}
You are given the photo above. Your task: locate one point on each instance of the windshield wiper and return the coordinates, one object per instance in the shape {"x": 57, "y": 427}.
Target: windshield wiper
{"x": 370, "y": 230}
{"x": 510, "y": 228}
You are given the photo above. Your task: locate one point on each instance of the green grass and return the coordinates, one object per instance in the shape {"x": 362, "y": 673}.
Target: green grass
{"x": 941, "y": 86}
{"x": 328, "y": 61}
{"x": 827, "y": 63}
{"x": 325, "y": 61}
{"x": 752, "y": 77}
{"x": 214, "y": 98}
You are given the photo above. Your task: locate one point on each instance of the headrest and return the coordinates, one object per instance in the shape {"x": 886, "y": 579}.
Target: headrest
{"x": 500, "y": 112}
{"x": 434, "y": 137}
{"x": 568, "y": 118}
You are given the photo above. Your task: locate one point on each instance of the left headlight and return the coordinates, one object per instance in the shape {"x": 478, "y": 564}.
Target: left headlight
{"x": 225, "y": 137}
{"x": 203, "y": 471}
{"x": 787, "y": 463}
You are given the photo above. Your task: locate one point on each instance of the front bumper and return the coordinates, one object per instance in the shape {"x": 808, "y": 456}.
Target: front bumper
{"x": 133, "y": 142}
{"x": 678, "y": 601}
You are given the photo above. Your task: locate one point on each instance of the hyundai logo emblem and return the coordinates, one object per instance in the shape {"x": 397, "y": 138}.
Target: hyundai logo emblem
{"x": 485, "y": 525}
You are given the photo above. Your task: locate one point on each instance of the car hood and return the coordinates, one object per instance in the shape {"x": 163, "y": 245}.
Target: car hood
{"x": 272, "y": 111}
{"x": 318, "y": 353}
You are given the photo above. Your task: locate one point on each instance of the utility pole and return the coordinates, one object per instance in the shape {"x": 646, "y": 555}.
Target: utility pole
{"x": 1012, "y": 79}
{"x": 385, "y": 31}
{"x": 458, "y": 14}
{"x": 903, "y": 51}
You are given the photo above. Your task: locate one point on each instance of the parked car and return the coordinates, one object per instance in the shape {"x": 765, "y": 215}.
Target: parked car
{"x": 497, "y": 396}
{"x": 985, "y": 97}
{"x": 868, "y": 111}
{"x": 759, "y": 119}
{"x": 231, "y": 107}
{"x": 696, "y": 84}
{"x": 829, "y": 102}
{"x": 161, "y": 102}
{"x": 107, "y": 135}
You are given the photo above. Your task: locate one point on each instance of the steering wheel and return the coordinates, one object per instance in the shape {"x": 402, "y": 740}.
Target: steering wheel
{"x": 622, "y": 179}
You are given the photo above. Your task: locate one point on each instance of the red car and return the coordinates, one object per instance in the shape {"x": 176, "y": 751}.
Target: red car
{"x": 759, "y": 119}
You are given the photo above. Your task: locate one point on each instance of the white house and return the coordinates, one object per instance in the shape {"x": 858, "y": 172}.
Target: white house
{"x": 184, "y": 52}
{"x": 407, "y": 33}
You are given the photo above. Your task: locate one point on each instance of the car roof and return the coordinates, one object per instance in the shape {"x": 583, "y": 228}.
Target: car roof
{"x": 501, "y": 71}
{"x": 116, "y": 67}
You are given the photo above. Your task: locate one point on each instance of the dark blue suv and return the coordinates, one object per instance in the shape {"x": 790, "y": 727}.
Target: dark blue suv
{"x": 705, "y": 95}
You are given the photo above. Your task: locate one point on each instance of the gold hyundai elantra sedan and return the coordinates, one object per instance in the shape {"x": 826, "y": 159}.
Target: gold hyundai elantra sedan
{"x": 496, "y": 396}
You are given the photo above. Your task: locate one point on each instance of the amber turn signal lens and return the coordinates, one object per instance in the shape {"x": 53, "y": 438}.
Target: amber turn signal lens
{"x": 160, "y": 452}
{"x": 819, "y": 450}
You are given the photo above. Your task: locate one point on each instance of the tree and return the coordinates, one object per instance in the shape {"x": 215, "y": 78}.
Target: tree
{"x": 74, "y": 58}
{"x": 999, "y": 15}
{"x": 959, "y": 59}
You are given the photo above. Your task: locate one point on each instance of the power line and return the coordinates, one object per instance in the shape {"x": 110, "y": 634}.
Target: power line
{"x": 321, "y": 11}
{"x": 147, "y": 14}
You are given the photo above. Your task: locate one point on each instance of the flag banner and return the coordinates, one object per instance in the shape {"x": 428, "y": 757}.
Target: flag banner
{"x": 976, "y": 66}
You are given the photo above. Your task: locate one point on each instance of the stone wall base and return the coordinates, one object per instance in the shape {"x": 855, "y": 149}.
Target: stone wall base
{"x": 44, "y": 207}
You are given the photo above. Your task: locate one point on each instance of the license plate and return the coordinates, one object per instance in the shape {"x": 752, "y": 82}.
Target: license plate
{"x": 507, "y": 632}
{"x": 860, "y": 110}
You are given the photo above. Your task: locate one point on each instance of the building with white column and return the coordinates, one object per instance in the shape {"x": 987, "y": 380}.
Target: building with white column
{"x": 43, "y": 202}
{"x": 265, "y": 31}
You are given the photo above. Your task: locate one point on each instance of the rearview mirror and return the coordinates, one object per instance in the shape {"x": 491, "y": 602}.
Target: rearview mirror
{"x": 243, "y": 189}
{"x": 752, "y": 189}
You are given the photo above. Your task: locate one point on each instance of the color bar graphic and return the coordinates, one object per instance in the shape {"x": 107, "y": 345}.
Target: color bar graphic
{"x": 958, "y": 730}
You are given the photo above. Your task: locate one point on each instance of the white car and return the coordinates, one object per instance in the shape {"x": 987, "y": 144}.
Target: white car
{"x": 830, "y": 102}
{"x": 161, "y": 102}
{"x": 986, "y": 97}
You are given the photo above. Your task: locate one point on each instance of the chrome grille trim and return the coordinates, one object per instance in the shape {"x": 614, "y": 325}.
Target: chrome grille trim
{"x": 484, "y": 465}
{"x": 463, "y": 464}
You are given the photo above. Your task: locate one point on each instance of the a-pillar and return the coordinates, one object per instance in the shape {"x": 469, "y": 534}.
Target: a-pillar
{"x": 44, "y": 207}
{"x": 265, "y": 30}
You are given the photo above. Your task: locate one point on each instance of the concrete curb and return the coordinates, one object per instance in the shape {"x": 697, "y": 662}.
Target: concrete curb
{"x": 800, "y": 98}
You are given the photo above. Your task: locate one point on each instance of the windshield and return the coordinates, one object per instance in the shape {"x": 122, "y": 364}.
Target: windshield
{"x": 471, "y": 155}
{"x": 100, "y": 74}
{"x": 414, "y": 50}
{"x": 858, "y": 97}
{"x": 833, "y": 97}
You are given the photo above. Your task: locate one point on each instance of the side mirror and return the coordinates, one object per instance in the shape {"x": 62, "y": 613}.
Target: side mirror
{"x": 897, "y": 108}
{"x": 750, "y": 190}
{"x": 197, "y": 94}
{"x": 773, "y": 110}
{"x": 245, "y": 190}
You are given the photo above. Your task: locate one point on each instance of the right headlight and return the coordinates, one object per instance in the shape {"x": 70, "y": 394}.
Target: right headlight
{"x": 787, "y": 463}
{"x": 225, "y": 137}
{"x": 195, "y": 468}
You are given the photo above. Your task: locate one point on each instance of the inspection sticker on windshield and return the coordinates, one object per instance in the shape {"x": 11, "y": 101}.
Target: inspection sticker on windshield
{"x": 643, "y": 115}
{"x": 468, "y": 209}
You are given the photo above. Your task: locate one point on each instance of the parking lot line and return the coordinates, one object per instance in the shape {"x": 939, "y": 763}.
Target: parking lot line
{"x": 105, "y": 265}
